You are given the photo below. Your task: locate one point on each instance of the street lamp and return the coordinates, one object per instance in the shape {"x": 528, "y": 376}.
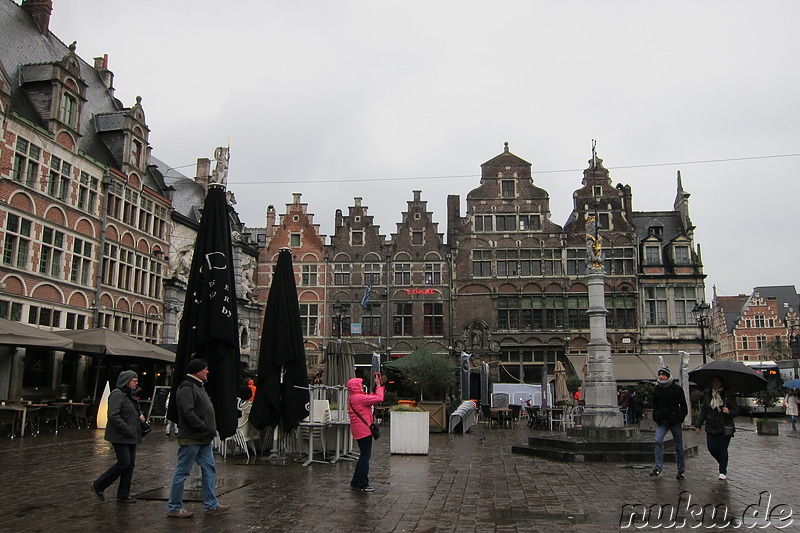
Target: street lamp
{"x": 794, "y": 344}
{"x": 700, "y": 313}
{"x": 338, "y": 313}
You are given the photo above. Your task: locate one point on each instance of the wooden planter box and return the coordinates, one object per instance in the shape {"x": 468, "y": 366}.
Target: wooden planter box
{"x": 409, "y": 433}
{"x": 437, "y": 411}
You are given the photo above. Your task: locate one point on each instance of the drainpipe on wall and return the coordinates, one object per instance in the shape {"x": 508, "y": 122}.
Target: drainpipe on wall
{"x": 103, "y": 225}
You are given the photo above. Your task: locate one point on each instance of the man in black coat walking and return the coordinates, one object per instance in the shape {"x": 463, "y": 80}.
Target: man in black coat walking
{"x": 669, "y": 411}
{"x": 196, "y": 430}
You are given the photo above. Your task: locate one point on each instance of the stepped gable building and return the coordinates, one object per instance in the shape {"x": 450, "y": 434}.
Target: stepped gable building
{"x": 357, "y": 257}
{"x": 757, "y": 327}
{"x": 418, "y": 285}
{"x": 295, "y": 229}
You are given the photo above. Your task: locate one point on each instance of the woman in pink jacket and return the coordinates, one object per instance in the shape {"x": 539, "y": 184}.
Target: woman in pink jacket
{"x": 360, "y": 408}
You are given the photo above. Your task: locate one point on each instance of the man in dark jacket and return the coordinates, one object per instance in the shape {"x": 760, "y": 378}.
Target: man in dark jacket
{"x": 197, "y": 428}
{"x": 669, "y": 411}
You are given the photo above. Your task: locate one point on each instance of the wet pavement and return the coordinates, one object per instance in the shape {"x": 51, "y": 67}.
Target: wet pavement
{"x": 469, "y": 482}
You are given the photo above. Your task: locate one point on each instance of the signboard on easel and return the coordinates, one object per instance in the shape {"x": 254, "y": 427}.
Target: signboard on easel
{"x": 158, "y": 407}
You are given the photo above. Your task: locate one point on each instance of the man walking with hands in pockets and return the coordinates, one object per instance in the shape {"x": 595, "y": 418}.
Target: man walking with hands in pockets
{"x": 669, "y": 411}
{"x": 197, "y": 428}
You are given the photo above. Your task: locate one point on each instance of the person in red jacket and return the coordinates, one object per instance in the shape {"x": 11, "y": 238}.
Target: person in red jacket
{"x": 360, "y": 409}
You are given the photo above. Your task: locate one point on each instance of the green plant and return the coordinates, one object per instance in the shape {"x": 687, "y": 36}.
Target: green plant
{"x": 644, "y": 393}
{"x": 389, "y": 398}
{"x": 573, "y": 383}
{"x": 407, "y": 408}
{"x": 427, "y": 374}
{"x": 767, "y": 398}
{"x": 697, "y": 397}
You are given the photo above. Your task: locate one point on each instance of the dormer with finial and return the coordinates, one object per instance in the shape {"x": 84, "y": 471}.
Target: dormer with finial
{"x": 57, "y": 91}
{"x": 126, "y": 134}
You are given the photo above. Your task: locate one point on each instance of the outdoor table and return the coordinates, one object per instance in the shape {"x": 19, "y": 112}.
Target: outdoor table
{"x": 68, "y": 408}
{"x": 344, "y": 444}
{"x": 503, "y": 414}
{"x": 20, "y": 410}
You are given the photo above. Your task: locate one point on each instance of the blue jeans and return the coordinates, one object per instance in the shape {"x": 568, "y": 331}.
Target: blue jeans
{"x": 718, "y": 448}
{"x": 677, "y": 435}
{"x": 187, "y": 456}
{"x": 122, "y": 469}
{"x": 361, "y": 474}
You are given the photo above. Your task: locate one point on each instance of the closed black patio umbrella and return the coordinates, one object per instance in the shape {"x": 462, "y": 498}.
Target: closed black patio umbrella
{"x": 282, "y": 394}
{"x": 209, "y": 328}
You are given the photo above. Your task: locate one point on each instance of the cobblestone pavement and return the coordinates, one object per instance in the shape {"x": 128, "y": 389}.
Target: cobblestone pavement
{"x": 469, "y": 482}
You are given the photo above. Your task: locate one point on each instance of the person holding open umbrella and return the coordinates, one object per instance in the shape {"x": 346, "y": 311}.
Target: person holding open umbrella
{"x": 719, "y": 408}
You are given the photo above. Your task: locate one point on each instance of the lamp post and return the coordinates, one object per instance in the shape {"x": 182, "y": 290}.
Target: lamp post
{"x": 700, "y": 313}
{"x": 794, "y": 345}
{"x": 338, "y": 313}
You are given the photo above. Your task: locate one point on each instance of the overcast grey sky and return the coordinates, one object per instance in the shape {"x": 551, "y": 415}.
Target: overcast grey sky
{"x": 314, "y": 93}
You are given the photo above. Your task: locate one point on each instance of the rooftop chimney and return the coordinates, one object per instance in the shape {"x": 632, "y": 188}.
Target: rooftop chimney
{"x": 39, "y": 10}
{"x": 101, "y": 66}
{"x": 203, "y": 171}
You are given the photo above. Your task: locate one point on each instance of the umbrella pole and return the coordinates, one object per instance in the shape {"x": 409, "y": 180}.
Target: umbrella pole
{"x": 96, "y": 381}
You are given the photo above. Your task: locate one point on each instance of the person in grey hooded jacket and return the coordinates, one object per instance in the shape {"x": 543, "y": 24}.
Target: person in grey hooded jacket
{"x": 124, "y": 432}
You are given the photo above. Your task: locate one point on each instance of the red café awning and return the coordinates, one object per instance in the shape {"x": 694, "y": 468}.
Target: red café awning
{"x": 397, "y": 355}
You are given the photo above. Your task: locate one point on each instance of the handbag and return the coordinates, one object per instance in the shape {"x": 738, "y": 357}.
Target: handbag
{"x": 374, "y": 428}
{"x": 145, "y": 428}
{"x": 728, "y": 431}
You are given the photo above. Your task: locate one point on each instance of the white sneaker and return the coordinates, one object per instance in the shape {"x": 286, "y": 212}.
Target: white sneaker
{"x": 723, "y": 477}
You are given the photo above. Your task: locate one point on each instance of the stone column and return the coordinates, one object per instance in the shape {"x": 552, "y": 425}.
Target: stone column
{"x": 600, "y": 388}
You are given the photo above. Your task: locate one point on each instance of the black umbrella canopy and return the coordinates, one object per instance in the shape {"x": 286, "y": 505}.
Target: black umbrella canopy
{"x": 737, "y": 376}
{"x": 209, "y": 329}
{"x": 282, "y": 393}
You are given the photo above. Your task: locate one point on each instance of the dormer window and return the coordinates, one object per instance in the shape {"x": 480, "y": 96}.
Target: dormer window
{"x": 656, "y": 231}
{"x": 136, "y": 153}
{"x": 69, "y": 108}
{"x": 652, "y": 255}
{"x": 682, "y": 255}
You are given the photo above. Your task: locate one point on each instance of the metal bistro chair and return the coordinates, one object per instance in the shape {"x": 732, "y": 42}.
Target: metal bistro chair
{"x": 50, "y": 414}
{"x": 80, "y": 414}
{"x": 491, "y": 419}
{"x": 500, "y": 399}
{"x": 9, "y": 418}
{"x": 513, "y": 419}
